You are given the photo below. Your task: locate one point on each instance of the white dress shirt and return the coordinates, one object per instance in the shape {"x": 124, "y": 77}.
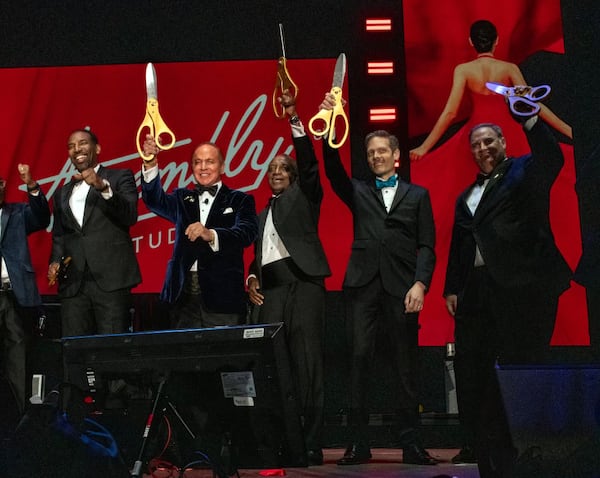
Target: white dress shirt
{"x": 205, "y": 203}
{"x": 388, "y": 194}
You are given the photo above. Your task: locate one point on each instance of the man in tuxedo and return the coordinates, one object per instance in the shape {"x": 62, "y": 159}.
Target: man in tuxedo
{"x": 286, "y": 281}
{"x": 389, "y": 271}
{"x": 213, "y": 225}
{"x": 18, "y": 289}
{"x": 504, "y": 277}
{"x": 92, "y": 216}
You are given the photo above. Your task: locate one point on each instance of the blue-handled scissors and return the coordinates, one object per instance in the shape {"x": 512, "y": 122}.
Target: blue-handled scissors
{"x": 153, "y": 121}
{"x": 522, "y": 100}
{"x": 328, "y": 119}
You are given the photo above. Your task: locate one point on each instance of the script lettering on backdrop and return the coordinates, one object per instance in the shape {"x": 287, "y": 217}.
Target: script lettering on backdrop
{"x": 241, "y": 153}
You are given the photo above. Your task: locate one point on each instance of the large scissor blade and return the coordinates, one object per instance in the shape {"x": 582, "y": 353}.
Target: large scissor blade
{"x": 340, "y": 71}
{"x": 151, "y": 89}
{"x": 498, "y": 88}
{"x": 282, "y": 40}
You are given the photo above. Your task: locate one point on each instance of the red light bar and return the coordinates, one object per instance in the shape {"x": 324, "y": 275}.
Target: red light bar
{"x": 382, "y": 114}
{"x": 378, "y": 24}
{"x": 380, "y": 67}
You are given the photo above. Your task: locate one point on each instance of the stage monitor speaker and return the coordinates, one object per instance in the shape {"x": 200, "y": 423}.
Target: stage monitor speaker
{"x": 554, "y": 418}
{"x": 232, "y": 382}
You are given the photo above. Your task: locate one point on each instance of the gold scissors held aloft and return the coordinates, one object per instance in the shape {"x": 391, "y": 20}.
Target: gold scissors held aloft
{"x": 283, "y": 81}
{"x": 153, "y": 121}
{"x": 328, "y": 119}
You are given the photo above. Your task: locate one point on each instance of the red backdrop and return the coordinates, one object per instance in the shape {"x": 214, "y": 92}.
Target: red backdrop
{"x": 436, "y": 40}
{"x": 230, "y": 103}
{"x": 225, "y": 102}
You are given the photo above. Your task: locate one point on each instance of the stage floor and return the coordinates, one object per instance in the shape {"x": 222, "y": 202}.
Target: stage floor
{"x": 386, "y": 463}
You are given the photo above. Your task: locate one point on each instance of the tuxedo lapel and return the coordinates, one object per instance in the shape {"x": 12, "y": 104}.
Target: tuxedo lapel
{"x": 217, "y": 207}
{"x": 191, "y": 201}
{"x": 285, "y": 202}
{"x": 66, "y": 195}
{"x": 6, "y": 212}
{"x": 487, "y": 198}
{"x": 90, "y": 204}
{"x": 401, "y": 190}
{"x": 376, "y": 193}
{"x": 92, "y": 199}
{"x": 464, "y": 205}
{"x": 262, "y": 219}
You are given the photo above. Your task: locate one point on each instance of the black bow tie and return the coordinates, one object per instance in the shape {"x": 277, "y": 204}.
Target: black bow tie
{"x": 481, "y": 178}
{"x": 212, "y": 190}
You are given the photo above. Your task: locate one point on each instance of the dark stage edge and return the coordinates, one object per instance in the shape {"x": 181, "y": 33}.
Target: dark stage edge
{"x": 386, "y": 463}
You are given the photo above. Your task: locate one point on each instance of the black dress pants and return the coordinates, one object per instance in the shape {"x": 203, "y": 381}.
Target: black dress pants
{"x": 372, "y": 308}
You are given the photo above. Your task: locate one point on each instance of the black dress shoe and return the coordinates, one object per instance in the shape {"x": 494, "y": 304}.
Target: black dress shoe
{"x": 315, "y": 457}
{"x": 355, "y": 455}
{"x": 465, "y": 455}
{"x": 417, "y": 455}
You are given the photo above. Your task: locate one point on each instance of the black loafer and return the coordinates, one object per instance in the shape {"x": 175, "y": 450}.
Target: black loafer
{"x": 355, "y": 455}
{"x": 315, "y": 457}
{"x": 417, "y": 455}
{"x": 465, "y": 455}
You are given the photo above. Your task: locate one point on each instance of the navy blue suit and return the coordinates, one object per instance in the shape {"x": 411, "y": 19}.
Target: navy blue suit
{"x": 221, "y": 273}
{"x": 17, "y": 222}
{"x": 507, "y": 307}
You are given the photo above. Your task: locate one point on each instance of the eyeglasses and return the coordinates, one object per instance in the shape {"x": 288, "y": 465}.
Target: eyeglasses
{"x": 2, "y": 183}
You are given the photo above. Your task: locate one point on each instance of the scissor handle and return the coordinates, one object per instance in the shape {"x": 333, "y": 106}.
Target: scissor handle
{"x": 153, "y": 120}
{"x": 533, "y": 93}
{"x": 523, "y": 99}
{"x": 328, "y": 118}
{"x": 338, "y": 111}
{"x": 283, "y": 81}
{"x": 160, "y": 128}
{"x": 538, "y": 93}
{"x": 146, "y": 123}
{"x": 321, "y": 119}
{"x": 523, "y": 106}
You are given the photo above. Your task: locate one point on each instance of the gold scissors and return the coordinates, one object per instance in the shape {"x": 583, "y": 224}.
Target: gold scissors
{"x": 329, "y": 118}
{"x": 283, "y": 81}
{"x": 153, "y": 121}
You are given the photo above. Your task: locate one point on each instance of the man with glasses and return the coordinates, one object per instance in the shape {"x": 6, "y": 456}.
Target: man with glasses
{"x": 504, "y": 278}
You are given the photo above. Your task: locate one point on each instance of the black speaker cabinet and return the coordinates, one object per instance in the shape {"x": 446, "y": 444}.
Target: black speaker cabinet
{"x": 554, "y": 418}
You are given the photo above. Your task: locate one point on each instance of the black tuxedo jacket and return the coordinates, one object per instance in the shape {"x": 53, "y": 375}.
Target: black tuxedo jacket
{"x": 399, "y": 245}
{"x": 296, "y": 217}
{"x": 18, "y": 220}
{"x": 511, "y": 224}
{"x": 221, "y": 274}
{"x": 103, "y": 242}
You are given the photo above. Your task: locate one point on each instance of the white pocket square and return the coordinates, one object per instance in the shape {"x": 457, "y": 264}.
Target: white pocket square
{"x": 228, "y": 210}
